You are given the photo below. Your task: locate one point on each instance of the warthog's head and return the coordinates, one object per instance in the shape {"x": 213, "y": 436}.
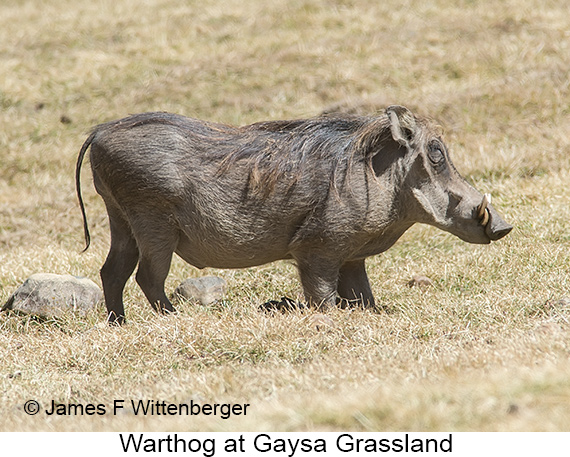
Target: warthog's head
{"x": 434, "y": 192}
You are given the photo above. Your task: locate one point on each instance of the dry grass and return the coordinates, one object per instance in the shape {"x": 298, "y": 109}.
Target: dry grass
{"x": 486, "y": 348}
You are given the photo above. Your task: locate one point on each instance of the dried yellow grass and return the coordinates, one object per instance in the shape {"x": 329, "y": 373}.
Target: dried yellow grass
{"x": 486, "y": 347}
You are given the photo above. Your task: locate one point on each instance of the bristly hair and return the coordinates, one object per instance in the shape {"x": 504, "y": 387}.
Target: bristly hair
{"x": 278, "y": 150}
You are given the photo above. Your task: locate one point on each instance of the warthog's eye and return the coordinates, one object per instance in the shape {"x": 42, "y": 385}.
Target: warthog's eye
{"x": 435, "y": 153}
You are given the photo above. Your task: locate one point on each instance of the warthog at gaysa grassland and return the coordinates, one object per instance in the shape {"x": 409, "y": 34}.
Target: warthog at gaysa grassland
{"x": 327, "y": 192}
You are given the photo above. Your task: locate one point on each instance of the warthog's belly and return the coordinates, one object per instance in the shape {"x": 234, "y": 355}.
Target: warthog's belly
{"x": 227, "y": 253}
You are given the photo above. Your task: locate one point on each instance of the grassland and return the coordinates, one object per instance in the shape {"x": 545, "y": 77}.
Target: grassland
{"x": 486, "y": 348}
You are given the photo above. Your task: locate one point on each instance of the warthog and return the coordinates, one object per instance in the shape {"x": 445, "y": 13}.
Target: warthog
{"x": 327, "y": 192}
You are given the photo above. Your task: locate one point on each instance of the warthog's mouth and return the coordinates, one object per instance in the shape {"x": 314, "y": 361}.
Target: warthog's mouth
{"x": 483, "y": 210}
{"x": 493, "y": 224}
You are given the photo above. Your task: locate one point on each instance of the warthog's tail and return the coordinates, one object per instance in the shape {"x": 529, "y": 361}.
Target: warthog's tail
{"x": 78, "y": 188}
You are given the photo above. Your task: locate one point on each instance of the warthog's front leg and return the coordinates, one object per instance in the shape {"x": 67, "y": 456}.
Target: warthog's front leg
{"x": 319, "y": 277}
{"x": 353, "y": 283}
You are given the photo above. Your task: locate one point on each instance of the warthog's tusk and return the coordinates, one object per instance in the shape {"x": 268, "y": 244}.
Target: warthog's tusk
{"x": 483, "y": 211}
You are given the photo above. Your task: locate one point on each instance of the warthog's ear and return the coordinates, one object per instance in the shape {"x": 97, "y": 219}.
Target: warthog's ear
{"x": 402, "y": 124}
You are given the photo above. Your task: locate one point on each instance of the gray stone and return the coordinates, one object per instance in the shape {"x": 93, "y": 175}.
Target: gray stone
{"x": 49, "y": 295}
{"x": 206, "y": 290}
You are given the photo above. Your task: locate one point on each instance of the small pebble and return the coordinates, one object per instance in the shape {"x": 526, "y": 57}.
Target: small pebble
{"x": 420, "y": 281}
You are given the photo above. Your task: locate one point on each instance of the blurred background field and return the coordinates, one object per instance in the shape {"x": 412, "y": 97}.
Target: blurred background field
{"x": 485, "y": 348}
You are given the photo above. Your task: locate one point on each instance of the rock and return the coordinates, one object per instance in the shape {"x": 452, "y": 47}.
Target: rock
{"x": 206, "y": 290}
{"x": 420, "y": 281}
{"x": 49, "y": 295}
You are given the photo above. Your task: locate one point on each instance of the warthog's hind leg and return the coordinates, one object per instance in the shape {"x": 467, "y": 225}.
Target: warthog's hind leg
{"x": 120, "y": 264}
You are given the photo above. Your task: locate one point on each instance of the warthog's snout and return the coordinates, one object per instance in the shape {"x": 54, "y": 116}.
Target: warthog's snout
{"x": 495, "y": 227}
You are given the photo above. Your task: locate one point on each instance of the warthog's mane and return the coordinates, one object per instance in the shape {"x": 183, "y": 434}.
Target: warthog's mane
{"x": 283, "y": 150}
{"x": 274, "y": 151}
